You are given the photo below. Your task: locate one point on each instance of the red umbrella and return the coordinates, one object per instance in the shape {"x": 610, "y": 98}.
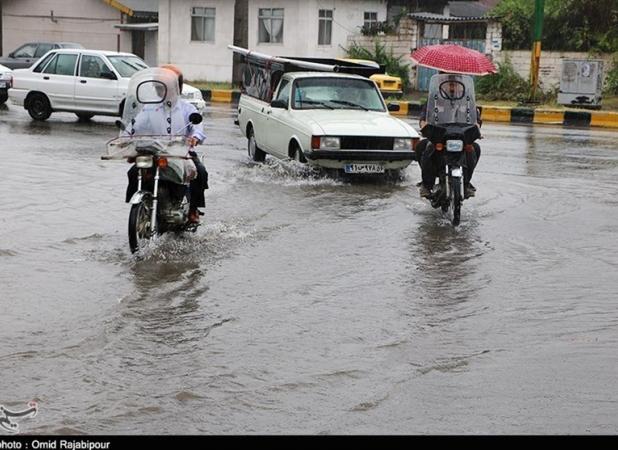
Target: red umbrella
{"x": 453, "y": 59}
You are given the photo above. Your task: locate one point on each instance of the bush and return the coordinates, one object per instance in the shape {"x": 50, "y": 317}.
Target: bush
{"x": 506, "y": 84}
{"x": 393, "y": 64}
{"x": 376, "y": 28}
{"x": 611, "y": 82}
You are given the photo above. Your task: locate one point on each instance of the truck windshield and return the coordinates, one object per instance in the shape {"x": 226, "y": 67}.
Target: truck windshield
{"x": 336, "y": 93}
{"x": 127, "y": 65}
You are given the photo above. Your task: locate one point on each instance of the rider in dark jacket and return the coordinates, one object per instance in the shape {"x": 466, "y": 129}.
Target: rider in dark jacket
{"x": 429, "y": 161}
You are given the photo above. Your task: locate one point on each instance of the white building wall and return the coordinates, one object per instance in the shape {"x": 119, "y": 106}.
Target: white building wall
{"x": 87, "y": 22}
{"x": 210, "y": 61}
{"x": 301, "y": 25}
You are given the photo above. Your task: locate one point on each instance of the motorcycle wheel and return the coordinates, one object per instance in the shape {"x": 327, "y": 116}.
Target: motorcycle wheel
{"x": 456, "y": 197}
{"x": 139, "y": 227}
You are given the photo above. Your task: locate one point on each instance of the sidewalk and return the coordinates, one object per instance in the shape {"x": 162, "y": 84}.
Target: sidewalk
{"x": 568, "y": 118}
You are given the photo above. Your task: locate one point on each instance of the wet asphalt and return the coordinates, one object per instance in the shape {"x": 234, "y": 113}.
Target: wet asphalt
{"x": 308, "y": 303}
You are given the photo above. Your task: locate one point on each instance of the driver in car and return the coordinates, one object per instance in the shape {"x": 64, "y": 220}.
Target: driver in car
{"x": 429, "y": 161}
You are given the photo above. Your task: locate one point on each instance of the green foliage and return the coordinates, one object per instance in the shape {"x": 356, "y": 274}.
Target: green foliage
{"x": 506, "y": 84}
{"x": 569, "y": 25}
{"x": 377, "y": 28}
{"x": 611, "y": 82}
{"x": 393, "y": 64}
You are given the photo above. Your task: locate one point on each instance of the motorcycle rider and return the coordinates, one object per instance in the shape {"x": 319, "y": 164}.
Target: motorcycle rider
{"x": 429, "y": 161}
{"x": 152, "y": 120}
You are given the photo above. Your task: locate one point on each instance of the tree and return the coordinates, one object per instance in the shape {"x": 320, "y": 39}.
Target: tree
{"x": 569, "y": 25}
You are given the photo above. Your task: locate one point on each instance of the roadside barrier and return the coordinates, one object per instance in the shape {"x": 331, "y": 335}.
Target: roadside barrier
{"x": 569, "y": 118}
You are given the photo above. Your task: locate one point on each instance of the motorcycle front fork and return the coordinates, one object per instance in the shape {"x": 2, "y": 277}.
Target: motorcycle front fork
{"x": 155, "y": 191}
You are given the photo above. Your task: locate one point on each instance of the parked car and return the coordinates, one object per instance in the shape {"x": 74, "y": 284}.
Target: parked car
{"x": 6, "y": 79}
{"x": 28, "y": 54}
{"x": 327, "y": 119}
{"x": 85, "y": 82}
{"x": 389, "y": 85}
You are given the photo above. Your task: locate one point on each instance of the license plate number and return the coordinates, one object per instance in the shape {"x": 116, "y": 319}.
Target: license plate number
{"x": 364, "y": 168}
{"x": 2, "y": 84}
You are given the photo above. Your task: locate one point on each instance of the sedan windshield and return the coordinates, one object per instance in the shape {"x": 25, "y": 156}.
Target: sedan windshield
{"x": 127, "y": 65}
{"x": 336, "y": 93}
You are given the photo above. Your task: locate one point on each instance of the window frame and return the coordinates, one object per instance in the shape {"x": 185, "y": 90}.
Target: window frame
{"x": 205, "y": 16}
{"x": 271, "y": 17}
{"x": 368, "y": 23}
{"x": 325, "y": 20}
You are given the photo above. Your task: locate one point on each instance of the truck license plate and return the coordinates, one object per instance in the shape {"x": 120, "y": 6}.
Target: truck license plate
{"x": 364, "y": 168}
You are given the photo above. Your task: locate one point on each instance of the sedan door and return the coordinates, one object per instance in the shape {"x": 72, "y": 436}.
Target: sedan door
{"x": 96, "y": 89}
{"x": 58, "y": 81}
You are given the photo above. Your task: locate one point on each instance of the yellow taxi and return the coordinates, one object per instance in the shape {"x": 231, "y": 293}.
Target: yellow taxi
{"x": 389, "y": 85}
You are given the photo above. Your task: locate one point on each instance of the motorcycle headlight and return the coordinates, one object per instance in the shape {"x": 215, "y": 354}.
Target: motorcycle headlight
{"x": 143, "y": 162}
{"x": 402, "y": 144}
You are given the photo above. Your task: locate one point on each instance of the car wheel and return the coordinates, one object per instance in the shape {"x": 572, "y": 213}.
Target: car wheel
{"x": 84, "y": 116}
{"x": 255, "y": 153}
{"x": 3, "y": 98}
{"x": 39, "y": 107}
{"x": 298, "y": 155}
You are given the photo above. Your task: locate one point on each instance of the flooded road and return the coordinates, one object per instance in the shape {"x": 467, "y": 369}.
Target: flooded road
{"x": 308, "y": 304}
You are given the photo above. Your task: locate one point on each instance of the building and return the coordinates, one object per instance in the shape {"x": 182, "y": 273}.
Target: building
{"x": 195, "y": 33}
{"x": 90, "y": 23}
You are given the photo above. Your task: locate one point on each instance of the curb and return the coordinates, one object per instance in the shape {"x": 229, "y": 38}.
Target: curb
{"x": 569, "y": 118}
{"x": 220, "y": 95}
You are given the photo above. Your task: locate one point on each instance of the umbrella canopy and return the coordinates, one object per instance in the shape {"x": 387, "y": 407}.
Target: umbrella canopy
{"x": 453, "y": 59}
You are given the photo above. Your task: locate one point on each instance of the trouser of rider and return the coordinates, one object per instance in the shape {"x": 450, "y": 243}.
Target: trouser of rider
{"x": 431, "y": 162}
{"x": 196, "y": 187}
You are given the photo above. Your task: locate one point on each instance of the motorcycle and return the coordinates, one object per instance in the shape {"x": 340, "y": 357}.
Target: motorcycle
{"x": 451, "y": 130}
{"x": 164, "y": 162}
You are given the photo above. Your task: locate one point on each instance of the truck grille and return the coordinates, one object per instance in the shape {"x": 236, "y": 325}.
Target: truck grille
{"x": 366, "y": 143}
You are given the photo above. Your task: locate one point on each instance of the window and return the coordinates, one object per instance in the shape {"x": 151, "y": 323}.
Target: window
{"x": 284, "y": 91}
{"x": 203, "y": 24}
{"x": 270, "y": 25}
{"x": 325, "y": 30}
{"x": 62, "y": 65}
{"x": 336, "y": 93}
{"x": 25, "y": 51}
{"x": 370, "y": 19}
{"x": 42, "y": 49}
{"x": 92, "y": 67}
{"x": 127, "y": 65}
{"x": 43, "y": 63}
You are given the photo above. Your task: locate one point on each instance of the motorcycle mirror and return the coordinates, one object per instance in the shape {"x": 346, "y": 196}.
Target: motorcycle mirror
{"x": 120, "y": 125}
{"x": 195, "y": 118}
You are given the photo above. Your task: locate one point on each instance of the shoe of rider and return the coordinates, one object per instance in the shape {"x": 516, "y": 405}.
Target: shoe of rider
{"x": 194, "y": 216}
{"x": 469, "y": 190}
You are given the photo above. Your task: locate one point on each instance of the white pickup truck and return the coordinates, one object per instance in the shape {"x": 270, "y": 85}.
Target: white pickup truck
{"x": 327, "y": 119}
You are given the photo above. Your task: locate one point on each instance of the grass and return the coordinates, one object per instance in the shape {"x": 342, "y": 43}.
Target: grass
{"x": 203, "y": 84}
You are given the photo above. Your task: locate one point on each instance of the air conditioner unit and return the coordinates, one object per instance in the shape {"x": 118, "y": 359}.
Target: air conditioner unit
{"x": 581, "y": 83}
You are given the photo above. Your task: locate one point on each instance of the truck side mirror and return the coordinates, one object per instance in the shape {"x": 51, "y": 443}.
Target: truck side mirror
{"x": 279, "y": 104}
{"x": 393, "y": 107}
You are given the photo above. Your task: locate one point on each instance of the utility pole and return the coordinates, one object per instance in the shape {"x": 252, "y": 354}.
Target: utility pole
{"x": 539, "y": 10}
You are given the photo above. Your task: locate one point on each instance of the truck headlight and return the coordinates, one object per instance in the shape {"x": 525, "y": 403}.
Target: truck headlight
{"x": 402, "y": 144}
{"x": 325, "y": 143}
